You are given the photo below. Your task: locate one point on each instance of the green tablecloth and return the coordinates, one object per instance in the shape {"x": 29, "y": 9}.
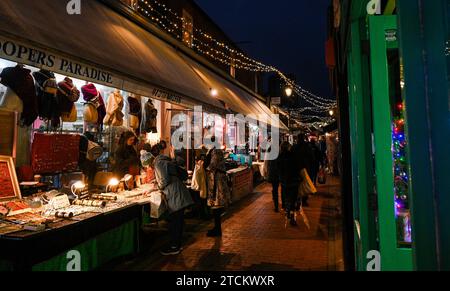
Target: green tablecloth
{"x": 121, "y": 241}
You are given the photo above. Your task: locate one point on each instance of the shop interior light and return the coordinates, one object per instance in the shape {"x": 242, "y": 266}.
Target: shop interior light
{"x": 77, "y": 187}
{"x": 214, "y": 92}
{"x": 331, "y": 112}
{"x": 112, "y": 185}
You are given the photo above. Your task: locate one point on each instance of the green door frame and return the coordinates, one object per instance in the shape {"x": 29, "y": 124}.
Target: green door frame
{"x": 361, "y": 145}
{"x": 393, "y": 258}
{"x": 423, "y": 28}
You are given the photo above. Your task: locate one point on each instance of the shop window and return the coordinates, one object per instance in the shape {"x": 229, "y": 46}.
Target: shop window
{"x": 188, "y": 29}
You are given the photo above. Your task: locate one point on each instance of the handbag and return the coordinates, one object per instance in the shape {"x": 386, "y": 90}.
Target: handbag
{"x": 94, "y": 151}
{"x": 158, "y": 205}
{"x": 90, "y": 114}
{"x": 322, "y": 177}
{"x": 134, "y": 121}
{"x": 71, "y": 116}
{"x": 306, "y": 186}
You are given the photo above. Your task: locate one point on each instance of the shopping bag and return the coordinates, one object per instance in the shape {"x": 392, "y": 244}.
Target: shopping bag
{"x": 305, "y": 218}
{"x": 322, "y": 177}
{"x": 306, "y": 186}
{"x": 158, "y": 205}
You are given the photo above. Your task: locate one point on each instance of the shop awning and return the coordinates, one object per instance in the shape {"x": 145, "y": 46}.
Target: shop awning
{"x": 104, "y": 47}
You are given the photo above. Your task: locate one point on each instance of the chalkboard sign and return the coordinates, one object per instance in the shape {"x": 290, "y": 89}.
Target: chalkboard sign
{"x": 9, "y": 186}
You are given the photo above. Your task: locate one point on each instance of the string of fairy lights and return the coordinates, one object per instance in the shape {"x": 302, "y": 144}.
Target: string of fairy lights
{"x": 207, "y": 45}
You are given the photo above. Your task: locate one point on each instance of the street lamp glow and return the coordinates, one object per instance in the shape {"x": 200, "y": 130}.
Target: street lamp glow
{"x": 288, "y": 91}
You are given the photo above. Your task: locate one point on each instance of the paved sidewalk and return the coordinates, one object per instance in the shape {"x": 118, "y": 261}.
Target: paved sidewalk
{"x": 254, "y": 239}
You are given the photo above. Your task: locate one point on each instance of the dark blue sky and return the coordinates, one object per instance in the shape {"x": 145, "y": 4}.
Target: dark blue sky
{"x": 289, "y": 34}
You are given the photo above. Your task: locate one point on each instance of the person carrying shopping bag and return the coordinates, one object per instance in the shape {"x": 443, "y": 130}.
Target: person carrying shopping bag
{"x": 177, "y": 197}
{"x": 289, "y": 177}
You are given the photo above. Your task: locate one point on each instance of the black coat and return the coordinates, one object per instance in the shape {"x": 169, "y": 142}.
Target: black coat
{"x": 125, "y": 157}
{"x": 288, "y": 170}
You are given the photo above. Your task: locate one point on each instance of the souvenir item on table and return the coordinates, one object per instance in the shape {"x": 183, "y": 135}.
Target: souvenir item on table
{"x": 3, "y": 211}
{"x": 17, "y": 207}
{"x": 9, "y": 185}
{"x": 62, "y": 214}
{"x": 114, "y": 115}
{"x": 55, "y": 153}
{"x": 28, "y": 217}
{"x": 92, "y": 203}
{"x": 34, "y": 227}
{"x": 93, "y": 97}
{"x": 20, "y": 81}
{"x": 47, "y": 89}
{"x": 7, "y": 228}
{"x": 104, "y": 197}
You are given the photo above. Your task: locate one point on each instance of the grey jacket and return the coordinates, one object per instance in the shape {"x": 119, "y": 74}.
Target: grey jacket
{"x": 178, "y": 196}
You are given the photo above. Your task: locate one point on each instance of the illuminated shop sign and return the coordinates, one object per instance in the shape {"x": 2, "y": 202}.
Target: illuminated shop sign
{"x": 24, "y": 54}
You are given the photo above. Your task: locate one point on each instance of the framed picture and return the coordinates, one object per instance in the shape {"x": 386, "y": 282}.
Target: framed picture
{"x": 9, "y": 186}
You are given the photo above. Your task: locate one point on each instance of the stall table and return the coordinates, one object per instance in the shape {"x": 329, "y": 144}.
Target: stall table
{"x": 241, "y": 183}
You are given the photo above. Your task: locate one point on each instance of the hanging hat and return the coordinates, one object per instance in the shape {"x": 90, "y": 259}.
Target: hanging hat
{"x": 89, "y": 92}
{"x": 68, "y": 89}
{"x": 21, "y": 82}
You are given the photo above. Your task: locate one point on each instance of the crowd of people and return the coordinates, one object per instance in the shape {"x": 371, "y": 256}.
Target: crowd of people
{"x": 166, "y": 168}
{"x": 288, "y": 171}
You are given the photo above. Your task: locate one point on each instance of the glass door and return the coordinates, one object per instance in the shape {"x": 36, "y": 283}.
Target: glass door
{"x": 390, "y": 145}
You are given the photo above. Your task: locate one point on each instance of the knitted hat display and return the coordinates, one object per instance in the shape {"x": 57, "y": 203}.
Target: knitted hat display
{"x": 21, "y": 82}
{"x": 68, "y": 88}
{"x": 91, "y": 94}
{"x": 47, "y": 90}
{"x": 68, "y": 94}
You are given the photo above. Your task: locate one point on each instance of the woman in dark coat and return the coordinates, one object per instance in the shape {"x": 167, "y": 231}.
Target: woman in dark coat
{"x": 289, "y": 175}
{"x": 219, "y": 194}
{"x": 125, "y": 157}
{"x": 177, "y": 196}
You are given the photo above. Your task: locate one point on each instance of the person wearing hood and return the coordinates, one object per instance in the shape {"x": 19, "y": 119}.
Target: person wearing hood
{"x": 177, "y": 196}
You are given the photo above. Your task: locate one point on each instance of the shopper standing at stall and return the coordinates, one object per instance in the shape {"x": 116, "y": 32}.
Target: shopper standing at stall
{"x": 177, "y": 196}
{"x": 219, "y": 194}
{"x": 125, "y": 157}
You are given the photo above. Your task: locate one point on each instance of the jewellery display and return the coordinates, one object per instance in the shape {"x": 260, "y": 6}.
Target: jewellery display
{"x": 59, "y": 214}
{"x": 93, "y": 203}
{"x": 104, "y": 197}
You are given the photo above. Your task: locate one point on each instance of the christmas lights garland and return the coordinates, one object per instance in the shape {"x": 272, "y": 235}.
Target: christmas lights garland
{"x": 238, "y": 58}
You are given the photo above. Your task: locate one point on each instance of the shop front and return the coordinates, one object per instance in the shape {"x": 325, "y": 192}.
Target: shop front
{"x": 395, "y": 63}
{"x": 67, "y": 201}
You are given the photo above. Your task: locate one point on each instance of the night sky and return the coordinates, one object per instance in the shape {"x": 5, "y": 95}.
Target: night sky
{"x": 289, "y": 34}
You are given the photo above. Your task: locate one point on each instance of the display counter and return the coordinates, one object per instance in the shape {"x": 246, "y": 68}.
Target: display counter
{"x": 241, "y": 183}
{"x": 97, "y": 235}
